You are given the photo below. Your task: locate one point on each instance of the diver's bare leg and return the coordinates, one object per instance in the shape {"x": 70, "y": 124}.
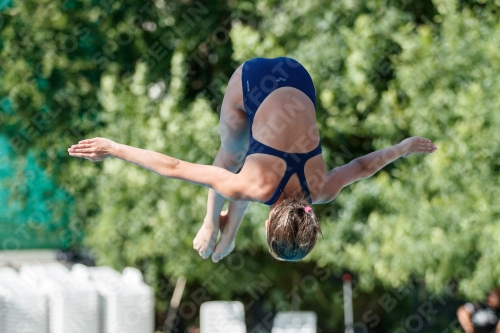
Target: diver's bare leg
{"x": 234, "y": 134}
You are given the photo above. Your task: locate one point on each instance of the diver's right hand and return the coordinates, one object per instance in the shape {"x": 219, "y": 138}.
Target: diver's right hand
{"x": 94, "y": 150}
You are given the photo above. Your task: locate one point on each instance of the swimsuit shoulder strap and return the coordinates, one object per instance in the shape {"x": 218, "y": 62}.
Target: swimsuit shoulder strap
{"x": 295, "y": 163}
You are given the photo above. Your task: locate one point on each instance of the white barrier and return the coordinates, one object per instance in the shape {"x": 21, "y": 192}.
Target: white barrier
{"x": 49, "y": 298}
{"x": 23, "y": 305}
{"x": 222, "y": 317}
{"x": 295, "y": 322}
{"x": 127, "y": 303}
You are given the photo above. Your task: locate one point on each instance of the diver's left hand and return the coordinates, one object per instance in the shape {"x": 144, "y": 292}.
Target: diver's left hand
{"x": 417, "y": 145}
{"x": 94, "y": 150}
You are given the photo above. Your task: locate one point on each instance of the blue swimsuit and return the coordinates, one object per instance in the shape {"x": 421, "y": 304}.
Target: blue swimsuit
{"x": 260, "y": 77}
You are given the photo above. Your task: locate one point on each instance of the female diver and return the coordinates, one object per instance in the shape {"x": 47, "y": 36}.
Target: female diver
{"x": 270, "y": 153}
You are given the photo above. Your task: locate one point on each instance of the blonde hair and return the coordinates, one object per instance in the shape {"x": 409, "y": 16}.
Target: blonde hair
{"x": 292, "y": 232}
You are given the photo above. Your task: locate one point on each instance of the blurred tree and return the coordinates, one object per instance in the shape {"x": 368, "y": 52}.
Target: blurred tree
{"x": 153, "y": 74}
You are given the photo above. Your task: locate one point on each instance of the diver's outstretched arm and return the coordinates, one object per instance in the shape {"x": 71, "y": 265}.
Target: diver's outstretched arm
{"x": 368, "y": 165}
{"x": 224, "y": 182}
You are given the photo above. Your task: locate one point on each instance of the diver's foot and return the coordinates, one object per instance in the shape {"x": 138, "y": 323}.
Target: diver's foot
{"x": 205, "y": 240}
{"x": 224, "y": 246}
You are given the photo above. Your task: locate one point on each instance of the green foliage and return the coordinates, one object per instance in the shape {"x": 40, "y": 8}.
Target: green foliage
{"x": 153, "y": 75}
